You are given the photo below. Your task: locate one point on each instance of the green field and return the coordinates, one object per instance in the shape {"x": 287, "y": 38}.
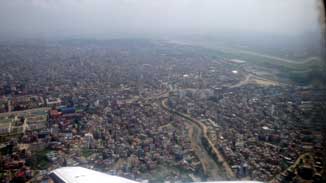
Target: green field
{"x": 303, "y": 72}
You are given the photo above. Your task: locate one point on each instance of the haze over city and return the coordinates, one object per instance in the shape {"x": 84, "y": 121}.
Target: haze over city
{"x": 144, "y": 18}
{"x": 149, "y": 91}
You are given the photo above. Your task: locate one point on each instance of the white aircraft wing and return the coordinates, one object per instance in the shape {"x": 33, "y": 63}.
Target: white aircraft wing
{"x": 84, "y": 175}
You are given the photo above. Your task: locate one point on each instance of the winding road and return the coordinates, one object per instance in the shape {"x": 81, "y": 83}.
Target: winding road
{"x": 198, "y": 132}
{"x": 211, "y": 169}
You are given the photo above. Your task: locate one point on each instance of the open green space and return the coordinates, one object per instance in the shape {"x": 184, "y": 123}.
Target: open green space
{"x": 306, "y": 72}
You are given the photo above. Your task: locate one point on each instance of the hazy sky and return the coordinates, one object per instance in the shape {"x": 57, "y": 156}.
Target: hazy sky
{"x": 106, "y": 18}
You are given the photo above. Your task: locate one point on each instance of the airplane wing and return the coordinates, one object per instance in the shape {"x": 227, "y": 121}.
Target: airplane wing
{"x": 84, "y": 175}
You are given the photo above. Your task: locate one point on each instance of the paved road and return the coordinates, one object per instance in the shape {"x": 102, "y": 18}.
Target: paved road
{"x": 198, "y": 131}
{"x": 293, "y": 166}
{"x": 211, "y": 169}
